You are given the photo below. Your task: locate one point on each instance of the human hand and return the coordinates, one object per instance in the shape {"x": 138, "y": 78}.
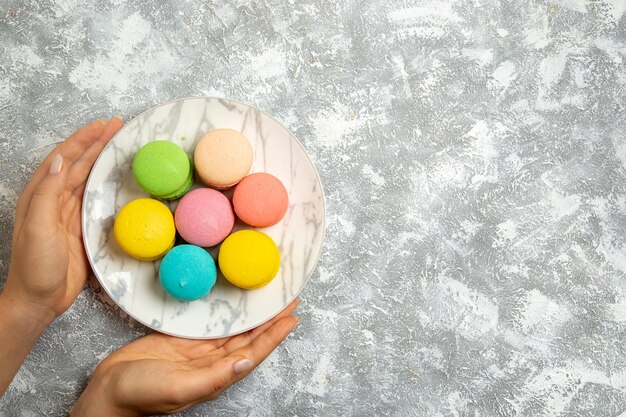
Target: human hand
{"x": 159, "y": 374}
{"x": 48, "y": 263}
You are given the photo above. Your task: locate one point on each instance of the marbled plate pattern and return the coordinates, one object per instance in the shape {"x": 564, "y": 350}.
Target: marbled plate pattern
{"x": 227, "y": 310}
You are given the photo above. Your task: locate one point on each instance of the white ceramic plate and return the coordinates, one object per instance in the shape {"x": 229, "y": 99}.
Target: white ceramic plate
{"x": 133, "y": 285}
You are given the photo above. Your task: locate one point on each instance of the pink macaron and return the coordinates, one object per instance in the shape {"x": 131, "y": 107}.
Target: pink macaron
{"x": 204, "y": 217}
{"x": 260, "y": 200}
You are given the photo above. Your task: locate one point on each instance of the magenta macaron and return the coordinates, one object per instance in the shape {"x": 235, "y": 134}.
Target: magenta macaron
{"x": 204, "y": 217}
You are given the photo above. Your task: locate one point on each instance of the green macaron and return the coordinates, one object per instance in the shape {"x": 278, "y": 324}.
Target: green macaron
{"x": 163, "y": 170}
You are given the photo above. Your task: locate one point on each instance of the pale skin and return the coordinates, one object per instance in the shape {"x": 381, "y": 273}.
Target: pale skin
{"x": 156, "y": 374}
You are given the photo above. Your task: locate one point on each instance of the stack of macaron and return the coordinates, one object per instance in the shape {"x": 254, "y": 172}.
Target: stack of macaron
{"x": 145, "y": 228}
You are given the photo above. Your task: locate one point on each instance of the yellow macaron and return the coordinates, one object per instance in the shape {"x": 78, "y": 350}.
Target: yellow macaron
{"x": 144, "y": 229}
{"x": 249, "y": 259}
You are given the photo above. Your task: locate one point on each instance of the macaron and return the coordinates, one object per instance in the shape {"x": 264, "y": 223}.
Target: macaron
{"x": 222, "y": 158}
{"x": 187, "y": 272}
{"x": 249, "y": 259}
{"x": 163, "y": 170}
{"x": 204, "y": 217}
{"x": 144, "y": 229}
{"x": 260, "y": 200}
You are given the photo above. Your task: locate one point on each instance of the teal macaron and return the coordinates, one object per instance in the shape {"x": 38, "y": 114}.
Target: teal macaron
{"x": 187, "y": 272}
{"x": 163, "y": 170}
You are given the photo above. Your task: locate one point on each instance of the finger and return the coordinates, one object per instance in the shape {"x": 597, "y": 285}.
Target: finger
{"x": 80, "y": 169}
{"x": 43, "y": 212}
{"x": 204, "y": 384}
{"x": 71, "y": 148}
{"x": 239, "y": 341}
{"x": 212, "y": 350}
{"x": 208, "y": 353}
{"x": 266, "y": 342}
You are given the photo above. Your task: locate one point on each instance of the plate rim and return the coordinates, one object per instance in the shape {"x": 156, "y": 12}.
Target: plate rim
{"x": 84, "y": 216}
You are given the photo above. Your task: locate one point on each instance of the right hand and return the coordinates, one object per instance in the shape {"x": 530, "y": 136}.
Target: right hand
{"x": 160, "y": 374}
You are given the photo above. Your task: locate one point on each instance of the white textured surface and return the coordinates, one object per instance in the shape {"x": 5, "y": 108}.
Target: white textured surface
{"x": 474, "y": 160}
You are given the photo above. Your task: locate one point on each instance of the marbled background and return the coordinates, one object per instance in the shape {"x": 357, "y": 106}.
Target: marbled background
{"x": 474, "y": 160}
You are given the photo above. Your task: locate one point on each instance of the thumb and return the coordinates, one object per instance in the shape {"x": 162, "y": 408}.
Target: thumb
{"x": 44, "y": 206}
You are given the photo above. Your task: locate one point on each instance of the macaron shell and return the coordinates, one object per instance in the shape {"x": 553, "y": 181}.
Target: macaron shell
{"x": 144, "y": 229}
{"x": 249, "y": 259}
{"x": 159, "y": 256}
{"x": 204, "y": 217}
{"x": 223, "y": 157}
{"x": 260, "y": 200}
{"x": 162, "y": 168}
{"x": 182, "y": 190}
{"x": 187, "y": 272}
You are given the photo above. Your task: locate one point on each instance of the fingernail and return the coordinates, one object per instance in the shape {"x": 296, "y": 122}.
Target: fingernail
{"x": 102, "y": 120}
{"x": 242, "y": 365}
{"x": 118, "y": 116}
{"x": 57, "y": 164}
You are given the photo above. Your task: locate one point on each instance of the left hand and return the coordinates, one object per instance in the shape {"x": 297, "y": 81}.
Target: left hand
{"x": 48, "y": 263}
{"x": 160, "y": 374}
